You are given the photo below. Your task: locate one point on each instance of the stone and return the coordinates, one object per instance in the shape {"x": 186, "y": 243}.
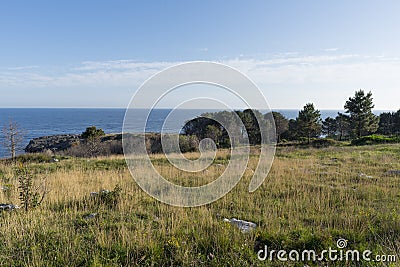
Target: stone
{"x": 8, "y": 207}
{"x": 244, "y": 226}
{"x": 52, "y": 143}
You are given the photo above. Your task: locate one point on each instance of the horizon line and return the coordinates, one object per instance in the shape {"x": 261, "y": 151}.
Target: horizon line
{"x": 169, "y": 108}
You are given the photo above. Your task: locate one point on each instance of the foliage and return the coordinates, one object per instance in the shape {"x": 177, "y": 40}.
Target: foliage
{"x": 92, "y": 133}
{"x": 108, "y": 198}
{"x": 242, "y": 125}
{"x": 309, "y": 122}
{"x": 362, "y": 120}
{"x": 329, "y": 126}
{"x": 30, "y": 195}
{"x": 250, "y": 120}
{"x": 281, "y": 124}
{"x": 92, "y": 146}
{"x": 188, "y": 143}
{"x": 208, "y": 126}
{"x": 343, "y": 126}
{"x": 292, "y": 132}
{"x": 323, "y": 142}
{"x": 389, "y": 123}
{"x": 375, "y": 139}
{"x": 36, "y": 157}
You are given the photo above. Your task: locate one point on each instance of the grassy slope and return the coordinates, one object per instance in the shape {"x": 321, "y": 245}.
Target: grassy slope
{"x": 311, "y": 198}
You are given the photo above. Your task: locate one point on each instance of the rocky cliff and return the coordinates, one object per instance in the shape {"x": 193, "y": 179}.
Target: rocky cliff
{"x": 109, "y": 144}
{"x": 54, "y": 143}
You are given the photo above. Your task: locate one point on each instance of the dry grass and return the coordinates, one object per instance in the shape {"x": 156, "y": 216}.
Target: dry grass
{"x": 311, "y": 198}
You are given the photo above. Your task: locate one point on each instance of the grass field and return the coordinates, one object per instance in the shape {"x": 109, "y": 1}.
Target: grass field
{"x": 311, "y": 198}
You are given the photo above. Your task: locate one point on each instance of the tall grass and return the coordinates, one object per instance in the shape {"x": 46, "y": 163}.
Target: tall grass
{"x": 311, "y": 198}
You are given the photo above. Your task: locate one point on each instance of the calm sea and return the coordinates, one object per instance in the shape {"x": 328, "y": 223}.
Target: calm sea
{"x": 38, "y": 122}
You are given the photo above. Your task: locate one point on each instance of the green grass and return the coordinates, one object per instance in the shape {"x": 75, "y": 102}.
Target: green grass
{"x": 375, "y": 139}
{"x": 311, "y": 198}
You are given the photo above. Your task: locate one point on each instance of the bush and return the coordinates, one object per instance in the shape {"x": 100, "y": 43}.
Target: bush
{"x": 320, "y": 143}
{"x": 34, "y": 158}
{"x": 112, "y": 145}
{"x": 92, "y": 132}
{"x": 375, "y": 139}
{"x": 30, "y": 194}
{"x": 188, "y": 143}
{"x": 108, "y": 198}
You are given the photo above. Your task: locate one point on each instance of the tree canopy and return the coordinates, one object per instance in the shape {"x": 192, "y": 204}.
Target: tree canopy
{"x": 92, "y": 132}
{"x": 309, "y": 122}
{"x": 359, "y": 109}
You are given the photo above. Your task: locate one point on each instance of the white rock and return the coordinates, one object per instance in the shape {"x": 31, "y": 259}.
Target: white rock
{"x": 9, "y": 207}
{"x": 244, "y": 226}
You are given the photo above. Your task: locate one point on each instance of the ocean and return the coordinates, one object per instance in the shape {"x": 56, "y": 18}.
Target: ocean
{"x": 37, "y": 122}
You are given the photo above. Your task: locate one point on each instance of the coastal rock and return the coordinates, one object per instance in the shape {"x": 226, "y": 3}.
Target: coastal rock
{"x": 109, "y": 144}
{"x": 53, "y": 143}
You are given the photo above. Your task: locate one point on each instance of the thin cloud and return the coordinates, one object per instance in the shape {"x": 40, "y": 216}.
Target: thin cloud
{"x": 287, "y": 79}
{"x": 279, "y": 69}
{"x": 23, "y": 68}
{"x": 120, "y": 65}
{"x": 334, "y": 49}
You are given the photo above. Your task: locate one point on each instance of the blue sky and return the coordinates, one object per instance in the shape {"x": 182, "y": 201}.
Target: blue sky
{"x": 97, "y": 53}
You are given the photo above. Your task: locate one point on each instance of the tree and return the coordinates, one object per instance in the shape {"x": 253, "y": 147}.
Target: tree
{"x": 292, "y": 132}
{"x": 386, "y": 123}
{"x": 329, "y": 127}
{"x": 13, "y": 138}
{"x": 397, "y": 122}
{"x": 281, "y": 124}
{"x": 389, "y": 123}
{"x": 206, "y": 127}
{"x": 250, "y": 122}
{"x": 92, "y": 132}
{"x": 213, "y": 132}
{"x": 92, "y": 137}
{"x": 343, "y": 125}
{"x": 309, "y": 122}
{"x": 359, "y": 108}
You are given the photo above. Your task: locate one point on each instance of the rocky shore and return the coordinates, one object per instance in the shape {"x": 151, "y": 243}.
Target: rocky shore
{"x": 63, "y": 142}
{"x": 109, "y": 144}
{"x": 53, "y": 143}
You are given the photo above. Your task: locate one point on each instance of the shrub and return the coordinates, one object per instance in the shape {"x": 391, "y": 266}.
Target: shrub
{"x": 30, "y": 195}
{"x": 325, "y": 142}
{"x": 108, "y": 198}
{"x": 188, "y": 143}
{"x": 34, "y": 158}
{"x": 92, "y": 132}
{"x": 375, "y": 139}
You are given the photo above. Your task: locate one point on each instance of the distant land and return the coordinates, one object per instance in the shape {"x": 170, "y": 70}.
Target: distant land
{"x": 38, "y": 122}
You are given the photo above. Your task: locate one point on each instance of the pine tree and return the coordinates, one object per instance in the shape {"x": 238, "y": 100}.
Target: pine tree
{"x": 281, "y": 124}
{"x": 309, "y": 122}
{"x": 329, "y": 127}
{"x": 359, "y": 109}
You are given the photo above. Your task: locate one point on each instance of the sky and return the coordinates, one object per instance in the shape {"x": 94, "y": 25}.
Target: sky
{"x": 98, "y": 53}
